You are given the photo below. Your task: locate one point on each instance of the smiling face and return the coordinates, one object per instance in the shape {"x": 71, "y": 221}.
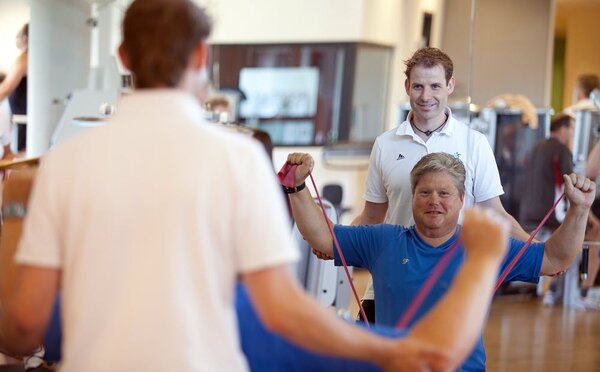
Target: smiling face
{"x": 436, "y": 204}
{"x": 428, "y": 93}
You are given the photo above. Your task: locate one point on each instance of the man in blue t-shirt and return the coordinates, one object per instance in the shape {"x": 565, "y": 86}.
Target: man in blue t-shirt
{"x": 400, "y": 259}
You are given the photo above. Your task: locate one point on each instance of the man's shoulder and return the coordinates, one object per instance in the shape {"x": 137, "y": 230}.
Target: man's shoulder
{"x": 463, "y": 130}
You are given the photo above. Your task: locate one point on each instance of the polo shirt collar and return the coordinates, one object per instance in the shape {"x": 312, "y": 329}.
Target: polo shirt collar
{"x": 405, "y": 129}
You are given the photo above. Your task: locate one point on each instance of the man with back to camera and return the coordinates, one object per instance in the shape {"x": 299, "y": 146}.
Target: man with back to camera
{"x": 429, "y": 127}
{"x": 147, "y": 265}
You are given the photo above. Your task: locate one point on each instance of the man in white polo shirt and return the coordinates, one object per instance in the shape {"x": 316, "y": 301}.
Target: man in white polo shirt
{"x": 429, "y": 127}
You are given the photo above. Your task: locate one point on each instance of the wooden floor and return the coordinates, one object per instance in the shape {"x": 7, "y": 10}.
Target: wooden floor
{"x": 522, "y": 335}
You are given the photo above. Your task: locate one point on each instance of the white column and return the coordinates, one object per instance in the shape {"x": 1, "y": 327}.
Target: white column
{"x": 59, "y": 53}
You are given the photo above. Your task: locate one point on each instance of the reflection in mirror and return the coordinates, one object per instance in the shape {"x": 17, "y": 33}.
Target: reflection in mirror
{"x": 307, "y": 94}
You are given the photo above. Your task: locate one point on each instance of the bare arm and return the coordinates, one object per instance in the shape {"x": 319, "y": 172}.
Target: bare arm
{"x": 27, "y": 310}
{"x": 592, "y": 168}
{"x": 309, "y": 218}
{"x": 564, "y": 244}
{"x": 16, "y": 190}
{"x": 284, "y": 308}
{"x": 495, "y": 204}
{"x": 27, "y": 293}
{"x": 455, "y": 323}
{"x": 372, "y": 214}
{"x": 14, "y": 76}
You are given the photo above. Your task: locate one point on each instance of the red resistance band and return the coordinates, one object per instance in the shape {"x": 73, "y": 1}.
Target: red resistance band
{"x": 443, "y": 263}
{"x": 286, "y": 178}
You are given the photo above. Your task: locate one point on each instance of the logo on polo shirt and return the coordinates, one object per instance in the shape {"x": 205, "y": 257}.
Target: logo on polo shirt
{"x": 404, "y": 261}
{"x": 400, "y": 157}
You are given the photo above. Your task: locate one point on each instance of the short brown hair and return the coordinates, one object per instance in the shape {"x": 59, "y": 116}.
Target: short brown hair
{"x": 560, "y": 121}
{"x": 588, "y": 82}
{"x": 439, "y": 162}
{"x": 430, "y": 57}
{"x": 159, "y": 37}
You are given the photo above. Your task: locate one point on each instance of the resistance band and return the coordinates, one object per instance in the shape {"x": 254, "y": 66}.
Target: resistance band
{"x": 286, "y": 178}
{"x": 533, "y": 234}
{"x": 339, "y": 251}
{"x": 444, "y": 261}
{"x": 427, "y": 286}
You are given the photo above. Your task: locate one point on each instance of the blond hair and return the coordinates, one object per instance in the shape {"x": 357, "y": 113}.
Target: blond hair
{"x": 439, "y": 162}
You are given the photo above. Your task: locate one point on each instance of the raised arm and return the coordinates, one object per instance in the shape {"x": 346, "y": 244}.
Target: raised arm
{"x": 455, "y": 323}
{"x": 308, "y": 216}
{"x": 440, "y": 341}
{"x": 592, "y": 168}
{"x": 564, "y": 244}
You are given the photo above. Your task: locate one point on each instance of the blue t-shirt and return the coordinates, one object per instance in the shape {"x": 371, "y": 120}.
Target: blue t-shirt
{"x": 400, "y": 262}
{"x": 266, "y": 351}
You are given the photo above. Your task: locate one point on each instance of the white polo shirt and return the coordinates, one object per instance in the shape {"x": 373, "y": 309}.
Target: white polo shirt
{"x": 396, "y": 152}
{"x": 151, "y": 219}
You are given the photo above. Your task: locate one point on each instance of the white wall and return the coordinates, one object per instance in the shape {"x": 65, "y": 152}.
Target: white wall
{"x": 13, "y": 15}
{"x": 512, "y": 48}
{"x": 273, "y": 21}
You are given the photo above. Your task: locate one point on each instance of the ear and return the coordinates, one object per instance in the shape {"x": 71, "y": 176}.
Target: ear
{"x": 407, "y": 86}
{"x": 200, "y": 56}
{"x": 123, "y": 57}
{"x": 451, "y": 83}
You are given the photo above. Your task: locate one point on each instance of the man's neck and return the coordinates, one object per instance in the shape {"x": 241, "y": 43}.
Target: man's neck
{"x": 425, "y": 128}
{"x": 557, "y": 136}
{"x": 435, "y": 237}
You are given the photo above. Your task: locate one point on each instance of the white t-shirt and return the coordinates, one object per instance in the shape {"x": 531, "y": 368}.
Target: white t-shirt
{"x": 151, "y": 219}
{"x": 396, "y": 152}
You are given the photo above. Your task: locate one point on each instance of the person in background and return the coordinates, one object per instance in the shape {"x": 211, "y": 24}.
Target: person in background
{"x": 220, "y": 108}
{"x": 14, "y": 86}
{"x": 544, "y": 166}
{"x": 429, "y": 127}
{"x": 543, "y": 184}
{"x": 586, "y": 83}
